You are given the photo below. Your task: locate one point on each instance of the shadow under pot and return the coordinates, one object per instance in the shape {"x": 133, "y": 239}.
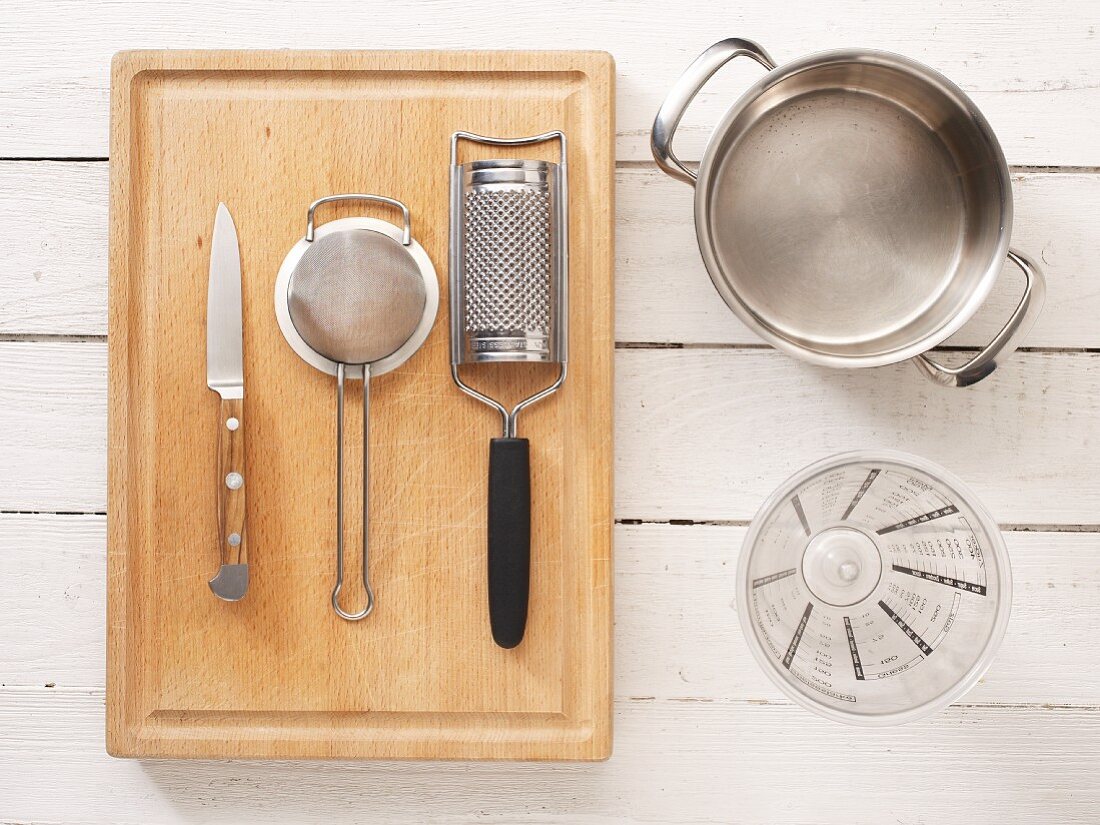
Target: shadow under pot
{"x": 853, "y": 208}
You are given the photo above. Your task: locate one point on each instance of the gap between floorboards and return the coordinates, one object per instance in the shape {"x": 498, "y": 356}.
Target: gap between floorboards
{"x": 639, "y": 163}
{"x": 99, "y": 691}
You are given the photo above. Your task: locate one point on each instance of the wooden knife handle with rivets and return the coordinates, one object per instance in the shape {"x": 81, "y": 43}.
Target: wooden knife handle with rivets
{"x": 231, "y": 483}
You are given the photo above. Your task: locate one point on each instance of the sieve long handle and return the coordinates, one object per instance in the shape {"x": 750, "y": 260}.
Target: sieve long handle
{"x": 341, "y": 374}
{"x": 509, "y": 538}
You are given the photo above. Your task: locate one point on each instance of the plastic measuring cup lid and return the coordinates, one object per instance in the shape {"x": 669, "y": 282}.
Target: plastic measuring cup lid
{"x": 873, "y": 588}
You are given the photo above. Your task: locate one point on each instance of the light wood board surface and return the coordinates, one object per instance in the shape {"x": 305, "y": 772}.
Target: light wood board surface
{"x": 701, "y": 735}
{"x": 278, "y": 674}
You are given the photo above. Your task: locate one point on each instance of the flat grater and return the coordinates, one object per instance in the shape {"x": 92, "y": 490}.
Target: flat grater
{"x": 509, "y": 303}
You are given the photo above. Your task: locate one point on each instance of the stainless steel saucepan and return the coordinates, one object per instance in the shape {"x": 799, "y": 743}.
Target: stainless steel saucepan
{"x": 853, "y": 207}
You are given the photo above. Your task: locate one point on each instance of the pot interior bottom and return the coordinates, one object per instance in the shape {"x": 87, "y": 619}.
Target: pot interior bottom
{"x": 843, "y": 222}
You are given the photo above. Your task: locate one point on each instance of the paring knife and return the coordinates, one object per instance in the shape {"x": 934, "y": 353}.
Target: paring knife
{"x": 225, "y": 375}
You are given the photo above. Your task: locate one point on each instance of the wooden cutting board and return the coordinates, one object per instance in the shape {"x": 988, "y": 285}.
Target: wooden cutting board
{"x": 278, "y": 675}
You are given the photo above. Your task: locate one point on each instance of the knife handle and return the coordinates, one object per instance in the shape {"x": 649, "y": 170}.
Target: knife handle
{"x": 231, "y": 483}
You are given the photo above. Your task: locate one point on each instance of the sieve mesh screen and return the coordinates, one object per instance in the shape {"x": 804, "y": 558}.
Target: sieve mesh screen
{"x": 356, "y": 296}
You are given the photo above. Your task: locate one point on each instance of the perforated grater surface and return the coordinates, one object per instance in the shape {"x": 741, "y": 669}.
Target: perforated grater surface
{"x": 507, "y": 263}
{"x": 508, "y": 278}
{"x": 508, "y": 259}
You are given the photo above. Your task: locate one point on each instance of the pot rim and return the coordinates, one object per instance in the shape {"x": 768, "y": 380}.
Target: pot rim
{"x": 708, "y": 166}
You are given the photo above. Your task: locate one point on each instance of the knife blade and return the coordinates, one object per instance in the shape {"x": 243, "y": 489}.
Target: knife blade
{"x": 225, "y": 376}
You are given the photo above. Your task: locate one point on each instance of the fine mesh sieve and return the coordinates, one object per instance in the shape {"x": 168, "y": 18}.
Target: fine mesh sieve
{"x": 355, "y": 297}
{"x": 508, "y": 279}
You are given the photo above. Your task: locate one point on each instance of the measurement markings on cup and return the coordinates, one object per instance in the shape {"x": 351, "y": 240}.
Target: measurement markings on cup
{"x": 960, "y": 584}
{"x": 843, "y": 657}
{"x": 796, "y": 502}
{"x": 871, "y": 476}
{"x": 925, "y": 648}
{"x": 792, "y": 648}
{"x": 948, "y": 510}
{"x": 774, "y": 577}
{"x": 857, "y": 663}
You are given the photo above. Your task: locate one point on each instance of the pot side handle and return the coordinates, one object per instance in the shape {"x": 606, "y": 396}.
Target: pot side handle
{"x": 1006, "y": 341}
{"x": 687, "y": 87}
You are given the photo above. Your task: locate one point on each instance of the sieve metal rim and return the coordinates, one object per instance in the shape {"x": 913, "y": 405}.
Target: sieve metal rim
{"x": 405, "y": 351}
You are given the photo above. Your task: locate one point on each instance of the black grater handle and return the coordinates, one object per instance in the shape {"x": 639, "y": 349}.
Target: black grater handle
{"x": 509, "y": 538}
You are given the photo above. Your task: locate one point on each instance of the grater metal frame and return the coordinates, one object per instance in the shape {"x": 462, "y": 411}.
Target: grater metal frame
{"x": 511, "y": 350}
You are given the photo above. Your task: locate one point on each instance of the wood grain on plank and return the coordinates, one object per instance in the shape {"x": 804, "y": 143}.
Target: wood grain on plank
{"x": 53, "y": 417}
{"x": 718, "y": 430}
{"x": 700, "y": 434}
{"x": 674, "y": 762}
{"x": 53, "y": 240}
{"x": 666, "y": 296}
{"x": 53, "y": 236}
{"x": 677, "y": 633}
{"x": 1030, "y": 68}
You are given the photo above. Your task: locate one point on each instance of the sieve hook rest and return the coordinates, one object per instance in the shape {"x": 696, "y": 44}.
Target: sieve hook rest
{"x": 406, "y": 237}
